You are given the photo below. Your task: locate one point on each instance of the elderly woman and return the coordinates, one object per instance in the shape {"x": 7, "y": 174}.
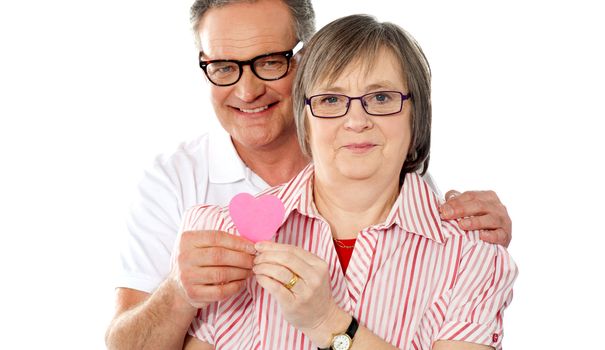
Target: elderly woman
{"x": 362, "y": 259}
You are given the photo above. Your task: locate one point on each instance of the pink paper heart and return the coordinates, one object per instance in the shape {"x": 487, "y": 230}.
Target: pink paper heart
{"x": 256, "y": 218}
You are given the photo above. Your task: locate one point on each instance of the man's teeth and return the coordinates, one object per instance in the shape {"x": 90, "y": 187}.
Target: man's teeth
{"x": 256, "y": 110}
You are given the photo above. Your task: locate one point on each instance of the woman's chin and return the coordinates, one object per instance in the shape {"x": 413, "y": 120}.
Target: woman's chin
{"x": 357, "y": 171}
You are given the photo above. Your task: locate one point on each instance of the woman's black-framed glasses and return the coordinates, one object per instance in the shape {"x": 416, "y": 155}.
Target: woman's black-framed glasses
{"x": 271, "y": 66}
{"x": 378, "y": 103}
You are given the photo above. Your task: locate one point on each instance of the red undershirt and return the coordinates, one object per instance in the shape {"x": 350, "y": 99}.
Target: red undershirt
{"x": 344, "y": 253}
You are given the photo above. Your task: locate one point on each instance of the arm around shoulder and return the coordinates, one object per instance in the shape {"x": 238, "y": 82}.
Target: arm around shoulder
{"x": 156, "y": 321}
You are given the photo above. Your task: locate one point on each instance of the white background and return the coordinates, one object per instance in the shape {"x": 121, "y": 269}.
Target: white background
{"x": 91, "y": 91}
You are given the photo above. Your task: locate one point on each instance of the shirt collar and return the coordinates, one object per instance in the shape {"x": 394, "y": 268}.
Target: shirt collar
{"x": 225, "y": 165}
{"x": 297, "y": 194}
{"x": 416, "y": 209}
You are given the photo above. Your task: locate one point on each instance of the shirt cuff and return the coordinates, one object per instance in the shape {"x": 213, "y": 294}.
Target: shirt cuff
{"x": 476, "y": 333}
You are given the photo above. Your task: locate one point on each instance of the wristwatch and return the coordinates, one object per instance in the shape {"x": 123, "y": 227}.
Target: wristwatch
{"x": 344, "y": 341}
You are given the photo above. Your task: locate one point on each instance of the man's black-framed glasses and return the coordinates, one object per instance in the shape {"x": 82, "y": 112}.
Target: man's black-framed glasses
{"x": 271, "y": 66}
{"x": 379, "y": 103}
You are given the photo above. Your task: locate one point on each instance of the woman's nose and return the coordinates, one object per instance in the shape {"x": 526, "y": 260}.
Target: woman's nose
{"x": 357, "y": 119}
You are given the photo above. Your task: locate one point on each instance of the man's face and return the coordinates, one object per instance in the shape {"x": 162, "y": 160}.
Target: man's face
{"x": 256, "y": 113}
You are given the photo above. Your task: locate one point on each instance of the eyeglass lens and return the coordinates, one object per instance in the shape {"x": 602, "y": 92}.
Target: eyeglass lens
{"x": 267, "y": 67}
{"x": 377, "y": 103}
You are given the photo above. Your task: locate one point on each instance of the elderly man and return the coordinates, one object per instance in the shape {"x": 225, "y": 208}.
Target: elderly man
{"x": 248, "y": 53}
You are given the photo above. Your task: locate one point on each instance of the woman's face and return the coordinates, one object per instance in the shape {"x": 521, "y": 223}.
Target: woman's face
{"x": 360, "y": 146}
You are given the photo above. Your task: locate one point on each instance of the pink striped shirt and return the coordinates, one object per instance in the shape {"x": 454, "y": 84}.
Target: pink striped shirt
{"x": 412, "y": 279}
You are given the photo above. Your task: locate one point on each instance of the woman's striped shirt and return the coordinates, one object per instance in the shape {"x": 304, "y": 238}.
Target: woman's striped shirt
{"x": 411, "y": 280}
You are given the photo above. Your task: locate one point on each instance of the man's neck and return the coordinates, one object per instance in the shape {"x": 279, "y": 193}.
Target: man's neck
{"x": 276, "y": 163}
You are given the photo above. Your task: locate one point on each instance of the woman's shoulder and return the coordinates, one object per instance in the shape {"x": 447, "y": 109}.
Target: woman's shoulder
{"x": 468, "y": 245}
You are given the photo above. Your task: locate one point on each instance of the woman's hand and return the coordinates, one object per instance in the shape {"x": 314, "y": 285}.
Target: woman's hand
{"x": 308, "y": 305}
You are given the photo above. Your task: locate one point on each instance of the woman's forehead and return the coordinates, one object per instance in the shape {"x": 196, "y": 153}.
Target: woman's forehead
{"x": 368, "y": 71}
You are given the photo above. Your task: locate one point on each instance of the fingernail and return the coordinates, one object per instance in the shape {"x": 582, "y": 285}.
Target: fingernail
{"x": 258, "y": 246}
{"x": 464, "y": 223}
{"x": 250, "y": 249}
{"x": 453, "y": 195}
{"x": 447, "y": 211}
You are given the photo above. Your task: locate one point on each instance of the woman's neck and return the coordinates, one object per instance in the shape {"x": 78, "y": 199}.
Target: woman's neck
{"x": 352, "y": 205}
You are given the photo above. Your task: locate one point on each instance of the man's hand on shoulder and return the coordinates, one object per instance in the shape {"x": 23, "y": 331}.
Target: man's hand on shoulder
{"x": 479, "y": 210}
{"x": 212, "y": 266}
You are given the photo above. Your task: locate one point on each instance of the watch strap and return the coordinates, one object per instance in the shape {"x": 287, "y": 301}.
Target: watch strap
{"x": 351, "y": 330}
{"x": 352, "y": 327}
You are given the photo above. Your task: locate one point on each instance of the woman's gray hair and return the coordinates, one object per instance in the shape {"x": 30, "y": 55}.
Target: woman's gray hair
{"x": 301, "y": 10}
{"x": 358, "y": 39}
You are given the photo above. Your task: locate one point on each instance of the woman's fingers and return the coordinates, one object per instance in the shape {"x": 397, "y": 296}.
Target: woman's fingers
{"x": 306, "y": 256}
{"x": 295, "y": 259}
{"x": 281, "y": 275}
{"x": 283, "y": 296}
{"x": 309, "y": 299}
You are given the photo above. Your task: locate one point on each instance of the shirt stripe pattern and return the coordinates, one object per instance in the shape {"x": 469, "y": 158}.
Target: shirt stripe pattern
{"x": 412, "y": 280}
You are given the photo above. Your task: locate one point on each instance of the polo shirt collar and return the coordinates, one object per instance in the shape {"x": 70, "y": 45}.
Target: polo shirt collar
{"x": 225, "y": 165}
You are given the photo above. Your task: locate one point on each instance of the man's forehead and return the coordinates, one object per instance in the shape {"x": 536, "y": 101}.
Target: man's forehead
{"x": 239, "y": 44}
{"x": 246, "y": 29}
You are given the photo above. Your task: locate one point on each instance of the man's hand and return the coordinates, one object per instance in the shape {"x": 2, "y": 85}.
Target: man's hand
{"x": 479, "y": 210}
{"x": 211, "y": 266}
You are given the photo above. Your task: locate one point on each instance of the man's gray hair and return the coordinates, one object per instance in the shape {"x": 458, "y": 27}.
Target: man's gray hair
{"x": 301, "y": 11}
{"x": 358, "y": 39}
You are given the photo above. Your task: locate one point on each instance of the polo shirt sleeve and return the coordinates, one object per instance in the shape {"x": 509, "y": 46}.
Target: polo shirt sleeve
{"x": 153, "y": 225}
{"x": 481, "y": 292}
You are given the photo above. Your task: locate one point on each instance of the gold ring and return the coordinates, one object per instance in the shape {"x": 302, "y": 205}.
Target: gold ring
{"x": 292, "y": 281}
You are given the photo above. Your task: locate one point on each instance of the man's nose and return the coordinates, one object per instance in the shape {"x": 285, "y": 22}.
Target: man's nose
{"x": 249, "y": 87}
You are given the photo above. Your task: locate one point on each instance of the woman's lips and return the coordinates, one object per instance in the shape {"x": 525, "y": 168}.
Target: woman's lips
{"x": 360, "y": 147}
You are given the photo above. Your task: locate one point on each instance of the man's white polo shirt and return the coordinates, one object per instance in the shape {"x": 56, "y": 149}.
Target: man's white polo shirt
{"x": 206, "y": 170}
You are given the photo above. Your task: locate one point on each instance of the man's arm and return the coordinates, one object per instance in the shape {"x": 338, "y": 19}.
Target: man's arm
{"x": 208, "y": 266}
{"x": 479, "y": 210}
{"x": 150, "y": 321}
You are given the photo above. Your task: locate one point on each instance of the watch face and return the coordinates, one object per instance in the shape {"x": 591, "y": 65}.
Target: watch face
{"x": 341, "y": 342}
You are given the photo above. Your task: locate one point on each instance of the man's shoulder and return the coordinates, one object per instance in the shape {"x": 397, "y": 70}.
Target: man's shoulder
{"x": 188, "y": 152}
{"x": 183, "y": 171}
